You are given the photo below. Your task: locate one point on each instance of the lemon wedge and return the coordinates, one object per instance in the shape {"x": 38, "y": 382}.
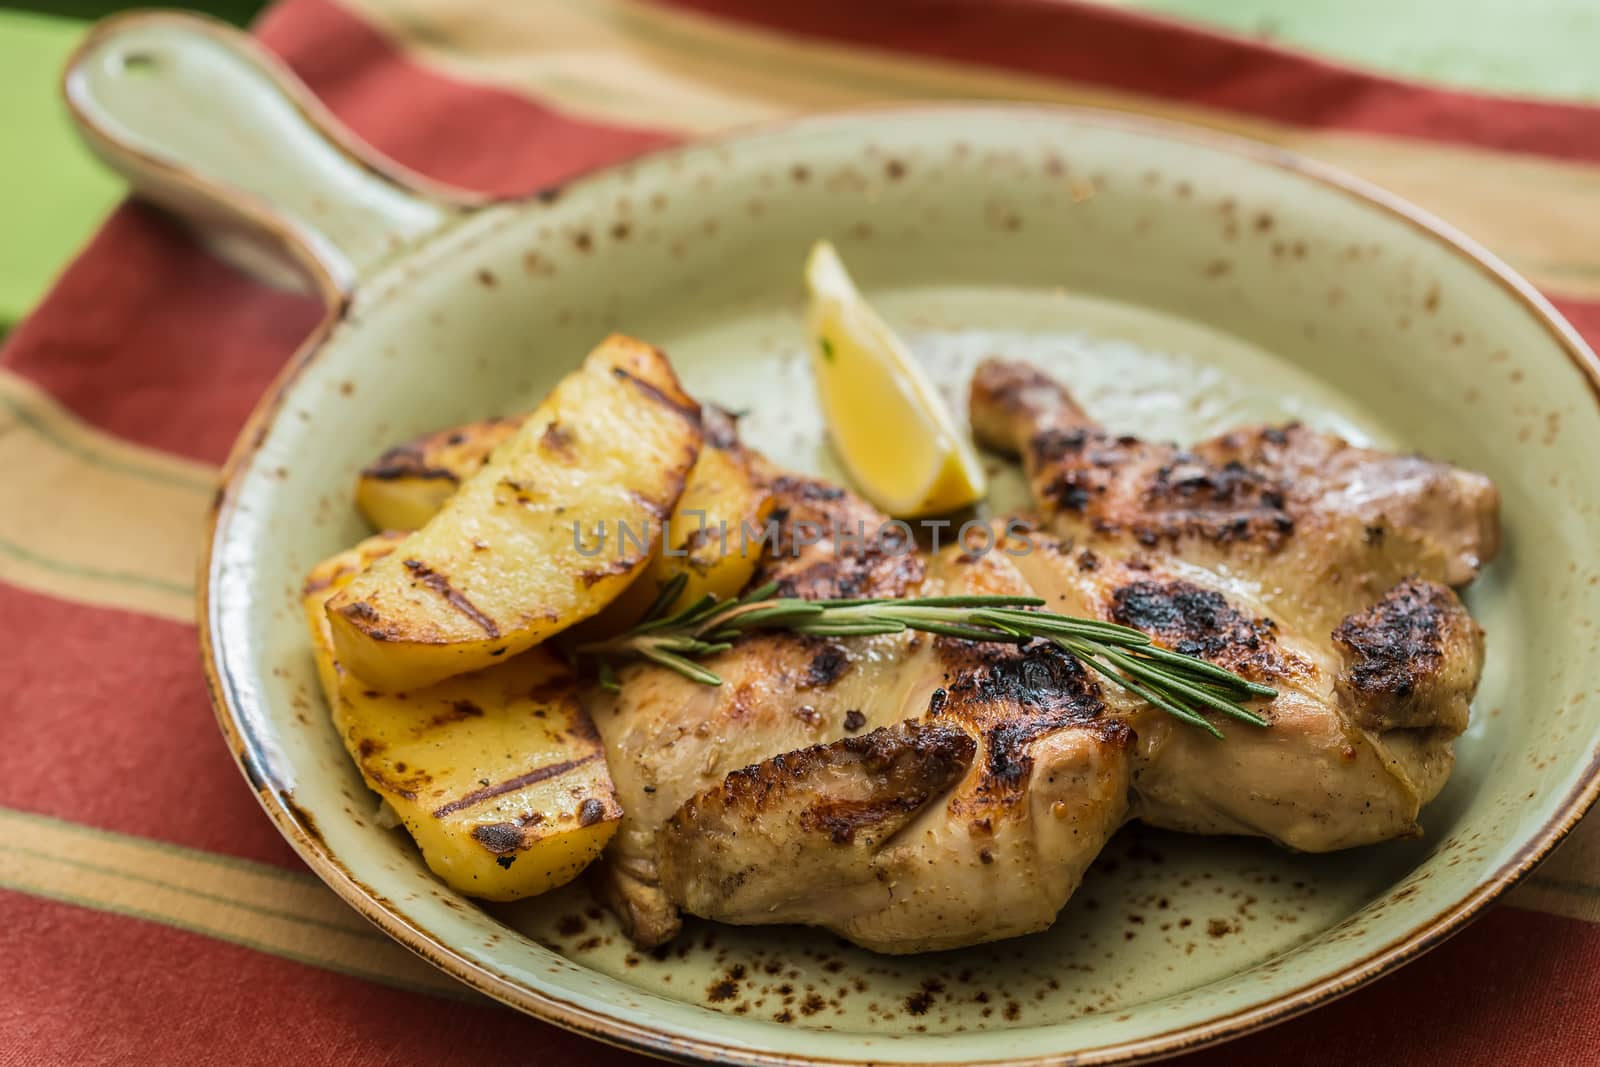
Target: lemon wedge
{"x": 887, "y": 423}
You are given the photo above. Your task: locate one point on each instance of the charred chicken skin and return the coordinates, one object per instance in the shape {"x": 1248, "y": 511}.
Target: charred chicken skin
{"x": 914, "y": 793}
{"x": 1289, "y": 556}
{"x": 909, "y": 793}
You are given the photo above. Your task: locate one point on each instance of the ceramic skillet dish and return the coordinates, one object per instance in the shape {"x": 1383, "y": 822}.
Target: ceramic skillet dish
{"x": 1179, "y": 281}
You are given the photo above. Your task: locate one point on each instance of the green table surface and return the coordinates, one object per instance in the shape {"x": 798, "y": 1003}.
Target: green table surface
{"x": 53, "y": 194}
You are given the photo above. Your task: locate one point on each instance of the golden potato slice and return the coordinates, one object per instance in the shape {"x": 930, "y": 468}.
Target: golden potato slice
{"x": 727, "y": 489}
{"x": 499, "y": 775}
{"x": 552, "y": 529}
{"x": 405, "y": 486}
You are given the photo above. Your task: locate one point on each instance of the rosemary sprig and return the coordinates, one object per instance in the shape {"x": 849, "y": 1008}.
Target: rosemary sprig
{"x": 1183, "y": 686}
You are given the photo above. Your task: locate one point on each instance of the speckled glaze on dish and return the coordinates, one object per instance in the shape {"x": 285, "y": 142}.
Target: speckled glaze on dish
{"x": 1181, "y": 281}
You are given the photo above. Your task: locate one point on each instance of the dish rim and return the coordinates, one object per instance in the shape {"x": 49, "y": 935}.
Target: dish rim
{"x": 276, "y": 798}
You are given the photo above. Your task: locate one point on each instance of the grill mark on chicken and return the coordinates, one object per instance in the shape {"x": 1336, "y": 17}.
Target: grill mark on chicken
{"x": 1319, "y": 526}
{"x": 797, "y": 489}
{"x": 1265, "y": 446}
{"x": 853, "y": 793}
{"x": 1012, "y": 697}
{"x": 1445, "y": 518}
{"x": 931, "y": 749}
{"x": 821, "y": 815}
{"x": 840, "y": 819}
{"x": 1230, "y": 502}
{"x": 538, "y": 774}
{"x": 1008, "y": 391}
{"x": 1075, "y": 488}
{"x": 1178, "y": 495}
{"x": 1395, "y": 641}
{"x": 916, "y": 760}
{"x": 440, "y": 584}
{"x": 1200, "y": 622}
{"x": 830, "y": 567}
{"x": 863, "y": 579}
{"x": 1087, "y": 460}
{"x": 1412, "y": 659}
{"x": 1053, "y": 446}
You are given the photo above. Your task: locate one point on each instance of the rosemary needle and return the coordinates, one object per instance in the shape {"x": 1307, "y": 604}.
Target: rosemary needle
{"x": 1183, "y": 686}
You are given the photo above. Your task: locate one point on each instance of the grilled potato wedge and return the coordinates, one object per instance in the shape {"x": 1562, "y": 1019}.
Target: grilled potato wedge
{"x": 726, "y": 490}
{"x": 405, "y": 486}
{"x": 533, "y": 542}
{"x": 499, "y": 775}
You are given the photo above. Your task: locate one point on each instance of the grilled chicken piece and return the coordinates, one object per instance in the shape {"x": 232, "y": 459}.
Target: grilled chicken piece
{"x": 1316, "y": 526}
{"x": 826, "y": 810}
{"x": 914, "y": 793}
{"x": 667, "y": 737}
{"x": 930, "y": 793}
{"x": 1335, "y": 768}
{"x": 1290, "y": 557}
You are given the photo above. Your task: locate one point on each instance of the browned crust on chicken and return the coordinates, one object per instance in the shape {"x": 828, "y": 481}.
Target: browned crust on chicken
{"x": 1012, "y": 401}
{"x": 1397, "y": 641}
{"x": 897, "y": 769}
{"x": 1201, "y": 622}
{"x": 1255, "y": 486}
{"x": 819, "y": 813}
{"x": 1011, "y": 697}
{"x": 1412, "y": 659}
{"x": 827, "y": 546}
{"x": 1157, "y": 495}
{"x": 977, "y": 820}
{"x": 1318, "y": 526}
{"x": 1140, "y": 591}
{"x": 1454, "y": 512}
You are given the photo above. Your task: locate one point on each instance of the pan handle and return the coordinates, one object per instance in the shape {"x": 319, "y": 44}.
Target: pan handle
{"x": 206, "y": 123}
